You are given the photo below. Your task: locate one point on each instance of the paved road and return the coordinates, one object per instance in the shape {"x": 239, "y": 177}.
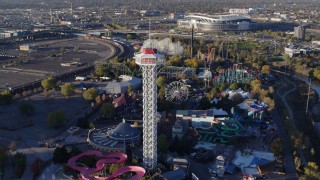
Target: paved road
{"x": 291, "y": 115}
{"x": 288, "y": 151}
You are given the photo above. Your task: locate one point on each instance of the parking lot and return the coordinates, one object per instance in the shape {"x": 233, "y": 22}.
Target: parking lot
{"x": 46, "y": 61}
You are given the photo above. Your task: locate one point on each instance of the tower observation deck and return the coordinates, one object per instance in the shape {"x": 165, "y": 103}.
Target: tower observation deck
{"x": 148, "y": 60}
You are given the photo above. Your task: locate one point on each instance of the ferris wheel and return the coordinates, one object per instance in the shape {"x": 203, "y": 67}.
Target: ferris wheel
{"x": 176, "y": 92}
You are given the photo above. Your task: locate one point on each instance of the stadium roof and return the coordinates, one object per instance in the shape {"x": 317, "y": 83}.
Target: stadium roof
{"x": 217, "y": 17}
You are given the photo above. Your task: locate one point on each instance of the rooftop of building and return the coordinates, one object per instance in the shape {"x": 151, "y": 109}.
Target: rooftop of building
{"x": 222, "y": 17}
{"x": 124, "y": 131}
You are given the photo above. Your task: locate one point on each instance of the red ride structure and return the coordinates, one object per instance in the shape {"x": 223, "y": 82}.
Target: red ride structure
{"x": 112, "y": 158}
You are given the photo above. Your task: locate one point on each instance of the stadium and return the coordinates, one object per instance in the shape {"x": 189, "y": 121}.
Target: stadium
{"x": 205, "y": 22}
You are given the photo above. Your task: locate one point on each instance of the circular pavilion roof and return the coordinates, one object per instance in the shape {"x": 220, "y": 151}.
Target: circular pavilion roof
{"x": 124, "y": 131}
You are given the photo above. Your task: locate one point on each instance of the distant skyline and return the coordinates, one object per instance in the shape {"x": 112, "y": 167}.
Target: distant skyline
{"x": 163, "y": 5}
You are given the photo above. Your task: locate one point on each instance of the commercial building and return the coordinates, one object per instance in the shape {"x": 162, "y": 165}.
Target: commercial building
{"x": 205, "y": 22}
{"x": 176, "y": 16}
{"x": 245, "y": 11}
{"x": 122, "y": 87}
{"x": 239, "y": 11}
{"x": 28, "y": 47}
{"x": 300, "y": 32}
{"x": 201, "y": 118}
{"x": 150, "y": 13}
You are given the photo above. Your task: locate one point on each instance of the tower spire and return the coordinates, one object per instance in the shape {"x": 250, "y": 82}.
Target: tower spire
{"x": 51, "y": 18}
{"x": 150, "y": 33}
{"x": 148, "y": 60}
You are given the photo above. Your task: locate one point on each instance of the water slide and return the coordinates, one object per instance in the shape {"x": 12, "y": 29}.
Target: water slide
{"x": 221, "y": 140}
{"x": 208, "y": 134}
{"x": 112, "y": 158}
{"x": 228, "y": 128}
{"x": 224, "y": 134}
{"x": 240, "y": 126}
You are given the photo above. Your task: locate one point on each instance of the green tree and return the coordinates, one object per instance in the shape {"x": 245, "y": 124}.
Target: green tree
{"x": 204, "y": 103}
{"x": 101, "y": 71}
{"x": 222, "y": 87}
{"x": 68, "y": 89}
{"x": 312, "y": 152}
{"x": 107, "y": 109}
{"x": 316, "y": 72}
{"x": 113, "y": 168}
{"x": 255, "y": 85}
{"x": 270, "y": 102}
{"x": 90, "y": 94}
{"x": 129, "y": 88}
{"x": 277, "y": 147}
{"x": 91, "y": 125}
{"x": 265, "y": 69}
{"x": 192, "y": 63}
{"x": 27, "y": 109}
{"x": 5, "y": 97}
{"x": 163, "y": 143}
{"x": 57, "y": 118}
{"x": 162, "y": 93}
{"x": 114, "y": 60}
{"x": 48, "y": 83}
{"x": 213, "y": 92}
{"x": 60, "y": 155}
{"x": 161, "y": 81}
{"x": 234, "y": 86}
{"x": 286, "y": 58}
{"x": 129, "y": 36}
{"x": 312, "y": 171}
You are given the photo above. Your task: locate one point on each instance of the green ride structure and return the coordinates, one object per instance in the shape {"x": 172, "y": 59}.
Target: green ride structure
{"x": 235, "y": 74}
{"x": 222, "y": 132}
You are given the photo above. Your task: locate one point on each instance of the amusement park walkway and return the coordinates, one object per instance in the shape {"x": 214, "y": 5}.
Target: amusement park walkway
{"x": 288, "y": 150}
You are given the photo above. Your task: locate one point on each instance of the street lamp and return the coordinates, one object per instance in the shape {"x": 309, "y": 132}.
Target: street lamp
{"x": 307, "y": 107}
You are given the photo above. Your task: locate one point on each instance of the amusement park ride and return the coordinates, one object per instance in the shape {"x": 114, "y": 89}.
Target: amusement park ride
{"x": 235, "y": 74}
{"x": 176, "y": 92}
{"x": 148, "y": 60}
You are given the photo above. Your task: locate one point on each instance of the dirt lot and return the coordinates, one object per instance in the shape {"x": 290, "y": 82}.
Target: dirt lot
{"x": 74, "y": 107}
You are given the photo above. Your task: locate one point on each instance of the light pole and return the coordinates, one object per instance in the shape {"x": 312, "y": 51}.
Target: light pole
{"x": 307, "y": 107}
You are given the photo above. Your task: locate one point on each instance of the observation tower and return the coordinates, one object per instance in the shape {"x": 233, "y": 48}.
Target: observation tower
{"x": 148, "y": 60}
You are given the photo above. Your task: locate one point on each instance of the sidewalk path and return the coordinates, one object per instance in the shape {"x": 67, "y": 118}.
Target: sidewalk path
{"x": 287, "y": 151}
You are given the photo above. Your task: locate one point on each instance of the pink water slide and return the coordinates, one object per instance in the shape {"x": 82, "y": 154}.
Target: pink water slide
{"x": 112, "y": 158}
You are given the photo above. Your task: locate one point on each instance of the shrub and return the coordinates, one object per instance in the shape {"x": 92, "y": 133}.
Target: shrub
{"x": 60, "y": 155}
{"x": 56, "y": 119}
